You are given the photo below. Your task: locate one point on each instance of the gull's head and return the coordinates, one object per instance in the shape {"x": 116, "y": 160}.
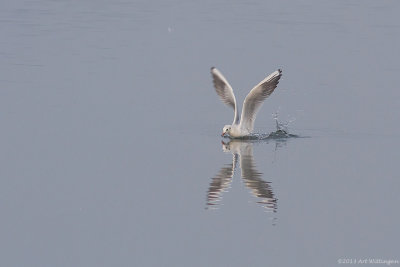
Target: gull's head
{"x": 226, "y": 130}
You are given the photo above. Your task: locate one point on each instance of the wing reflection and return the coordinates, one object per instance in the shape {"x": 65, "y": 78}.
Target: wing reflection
{"x": 252, "y": 178}
{"x": 221, "y": 182}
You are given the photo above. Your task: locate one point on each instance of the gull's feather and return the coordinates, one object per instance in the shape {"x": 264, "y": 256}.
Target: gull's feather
{"x": 255, "y": 99}
{"x": 225, "y": 92}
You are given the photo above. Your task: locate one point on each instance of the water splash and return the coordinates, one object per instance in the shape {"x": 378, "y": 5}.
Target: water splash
{"x": 282, "y": 132}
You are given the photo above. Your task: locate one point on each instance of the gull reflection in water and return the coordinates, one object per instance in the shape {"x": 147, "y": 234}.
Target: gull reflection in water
{"x": 242, "y": 152}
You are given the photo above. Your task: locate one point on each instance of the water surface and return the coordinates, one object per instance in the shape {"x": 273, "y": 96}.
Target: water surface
{"x": 111, "y": 154}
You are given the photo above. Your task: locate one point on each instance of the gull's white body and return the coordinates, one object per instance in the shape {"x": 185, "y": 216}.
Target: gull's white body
{"x": 251, "y": 104}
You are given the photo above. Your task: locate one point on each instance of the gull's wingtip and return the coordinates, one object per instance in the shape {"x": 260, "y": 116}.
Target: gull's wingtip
{"x": 215, "y": 71}
{"x": 278, "y": 73}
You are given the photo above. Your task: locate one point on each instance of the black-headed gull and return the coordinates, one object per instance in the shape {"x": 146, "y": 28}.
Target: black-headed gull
{"x": 251, "y": 104}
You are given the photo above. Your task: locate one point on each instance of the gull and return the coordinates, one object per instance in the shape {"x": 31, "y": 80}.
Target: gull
{"x": 252, "y": 103}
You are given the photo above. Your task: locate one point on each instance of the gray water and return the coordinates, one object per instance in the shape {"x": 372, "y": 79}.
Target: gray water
{"x": 111, "y": 152}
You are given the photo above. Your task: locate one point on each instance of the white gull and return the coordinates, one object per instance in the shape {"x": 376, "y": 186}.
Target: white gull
{"x": 251, "y": 104}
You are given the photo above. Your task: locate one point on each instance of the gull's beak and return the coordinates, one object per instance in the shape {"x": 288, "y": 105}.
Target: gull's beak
{"x": 223, "y": 134}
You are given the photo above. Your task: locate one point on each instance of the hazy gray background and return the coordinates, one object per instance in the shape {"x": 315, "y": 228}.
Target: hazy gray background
{"x": 110, "y": 132}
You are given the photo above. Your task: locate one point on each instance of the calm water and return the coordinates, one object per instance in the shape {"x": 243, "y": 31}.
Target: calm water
{"x": 111, "y": 152}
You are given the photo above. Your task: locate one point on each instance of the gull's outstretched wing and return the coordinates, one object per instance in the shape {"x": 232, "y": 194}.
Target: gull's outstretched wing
{"x": 255, "y": 99}
{"x": 225, "y": 92}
